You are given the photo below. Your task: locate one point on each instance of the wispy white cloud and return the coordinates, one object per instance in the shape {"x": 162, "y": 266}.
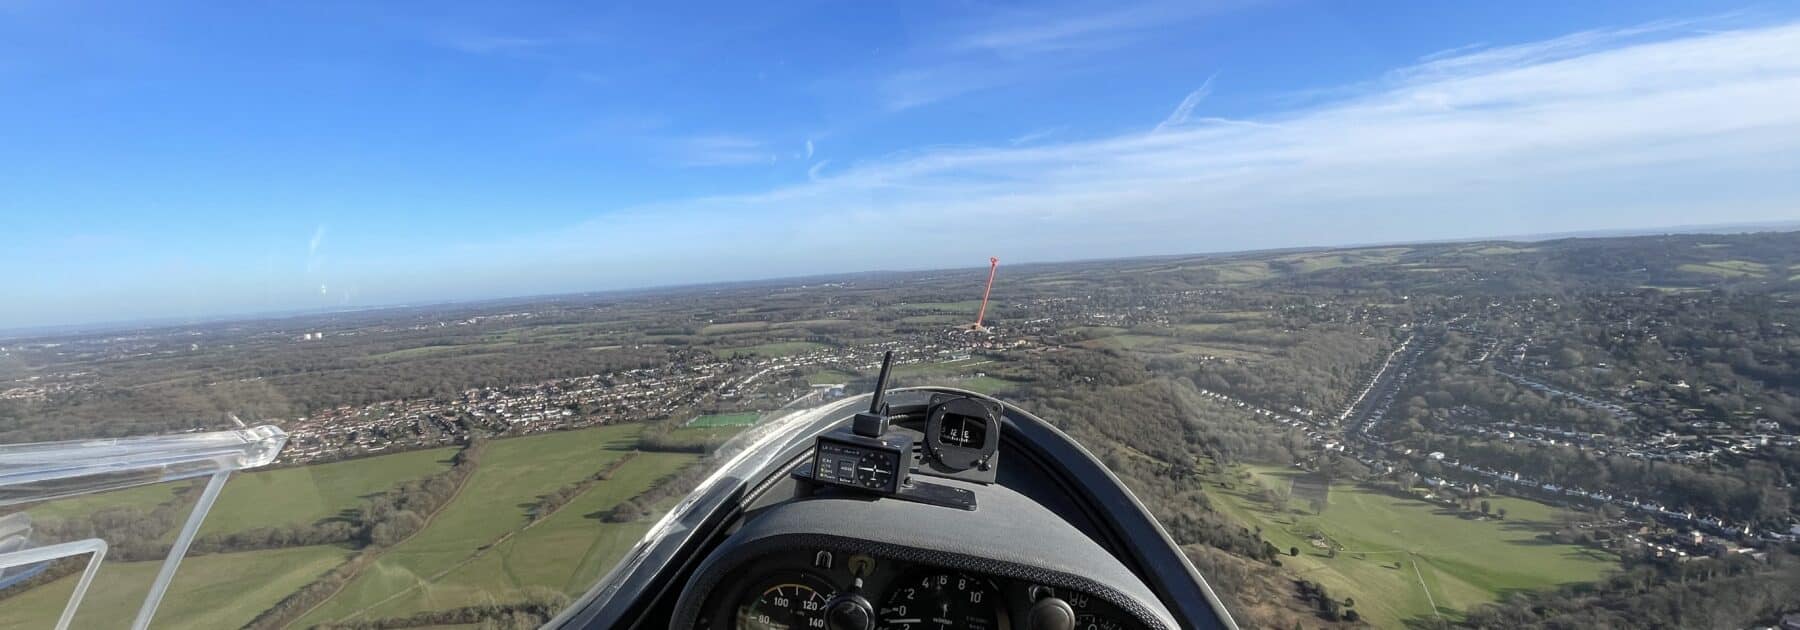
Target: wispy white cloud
{"x": 1033, "y": 136}
{"x": 489, "y": 44}
{"x": 1668, "y": 129}
{"x": 1452, "y": 52}
{"x": 314, "y": 260}
{"x": 719, "y": 150}
{"x": 1016, "y": 46}
{"x": 1464, "y": 60}
{"x": 923, "y": 86}
{"x": 812, "y": 173}
{"x": 1185, "y": 110}
{"x": 1081, "y": 29}
{"x": 809, "y": 149}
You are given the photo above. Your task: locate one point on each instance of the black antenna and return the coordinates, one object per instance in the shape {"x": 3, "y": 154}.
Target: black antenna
{"x": 874, "y": 423}
{"x": 881, "y": 383}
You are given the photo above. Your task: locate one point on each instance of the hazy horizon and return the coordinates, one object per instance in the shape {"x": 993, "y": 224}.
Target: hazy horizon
{"x": 106, "y": 325}
{"x": 191, "y": 163}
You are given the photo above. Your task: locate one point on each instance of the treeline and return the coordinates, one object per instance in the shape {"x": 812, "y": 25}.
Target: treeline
{"x": 644, "y": 504}
{"x": 381, "y": 520}
{"x": 393, "y": 515}
{"x": 1258, "y": 594}
{"x": 1161, "y": 437}
{"x": 554, "y": 500}
{"x": 378, "y": 523}
{"x": 302, "y": 601}
{"x": 1329, "y": 608}
{"x": 132, "y": 533}
{"x": 667, "y": 441}
{"x": 539, "y": 607}
{"x": 1736, "y": 592}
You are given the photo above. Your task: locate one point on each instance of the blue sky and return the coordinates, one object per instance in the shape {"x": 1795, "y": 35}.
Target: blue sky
{"x": 197, "y": 159}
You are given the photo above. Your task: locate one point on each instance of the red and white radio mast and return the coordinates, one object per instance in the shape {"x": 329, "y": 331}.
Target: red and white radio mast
{"x": 993, "y": 265}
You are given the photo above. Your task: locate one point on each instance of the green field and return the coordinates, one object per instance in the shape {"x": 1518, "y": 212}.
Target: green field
{"x": 808, "y": 323}
{"x": 983, "y": 384}
{"x": 935, "y": 320}
{"x": 965, "y": 306}
{"x": 145, "y": 497}
{"x": 970, "y": 374}
{"x": 565, "y": 552}
{"x": 733, "y": 327}
{"x": 777, "y": 349}
{"x": 1128, "y": 341}
{"x": 942, "y": 368}
{"x": 1249, "y": 271}
{"x": 482, "y": 547}
{"x": 1320, "y": 261}
{"x": 482, "y": 347}
{"x": 1728, "y": 268}
{"x": 512, "y": 473}
{"x": 1501, "y": 250}
{"x": 1395, "y": 550}
{"x": 829, "y": 377}
{"x": 1171, "y": 346}
{"x": 214, "y": 591}
{"x": 743, "y": 418}
{"x": 307, "y": 494}
{"x": 299, "y": 495}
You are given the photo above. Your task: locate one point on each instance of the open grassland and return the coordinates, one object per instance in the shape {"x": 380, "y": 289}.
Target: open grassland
{"x": 940, "y": 368}
{"x": 304, "y": 495}
{"x": 1728, "y": 268}
{"x": 470, "y": 349}
{"x": 744, "y": 418}
{"x": 766, "y": 350}
{"x": 971, "y": 374}
{"x": 300, "y": 495}
{"x": 565, "y": 552}
{"x": 965, "y": 306}
{"x": 829, "y": 377}
{"x": 1498, "y": 250}
{"x": 213, "y": 591}
{"x": 1398, "y": 556}
{"x": 733, "y": 327}
{"x": 935, "y": 320}
{"x": 983, "y": 384}
{"x": 704, "y": 435}
{"x": 1196, "y": 341}
{"x": 492, "y": 505}
{"x": 1319, "y": 261}
{"x": 1249, "y": 271}
{"x": 144, "y": 497}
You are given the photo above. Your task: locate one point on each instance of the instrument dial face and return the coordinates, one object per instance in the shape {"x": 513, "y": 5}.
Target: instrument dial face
{"x": 1090, "y": 612}
{"x": 941, "y": 601}
{"x": 1092, "y": 621}
{"x": 961, "y": 433}
{"x": 787, "y": 600}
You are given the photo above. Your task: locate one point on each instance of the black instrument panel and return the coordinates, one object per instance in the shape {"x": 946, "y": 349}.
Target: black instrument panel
{"x": 795, "y": 590}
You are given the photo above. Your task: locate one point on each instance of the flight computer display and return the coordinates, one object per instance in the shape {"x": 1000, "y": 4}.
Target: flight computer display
{"x": 868, "y": 464}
